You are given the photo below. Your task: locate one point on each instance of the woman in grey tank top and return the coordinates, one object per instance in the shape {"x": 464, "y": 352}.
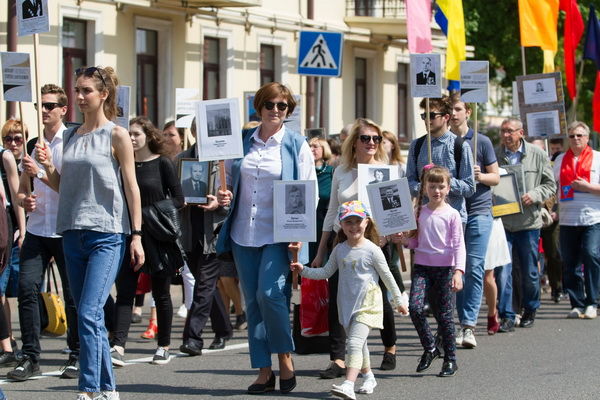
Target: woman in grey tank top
{"x": 93, "y": 218}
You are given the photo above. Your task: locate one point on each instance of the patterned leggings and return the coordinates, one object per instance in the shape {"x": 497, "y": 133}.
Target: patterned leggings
{"x": 438, "y": 279}
{"x": 357, "y": 352}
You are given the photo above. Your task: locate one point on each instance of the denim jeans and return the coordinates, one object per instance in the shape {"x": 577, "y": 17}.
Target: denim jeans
{"x": 579, "y": 245}
{"x": 526, "y": 243}
{"x": 263, "y": 273}
{"x": 477, "y": 236}
{"x": 9, "y": 280}
{"x": 93, "y": 260}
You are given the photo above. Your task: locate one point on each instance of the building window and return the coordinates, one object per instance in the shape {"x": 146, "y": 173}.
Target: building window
{"x": 147, "y": 74}
{"x": 360, "y": 87}
{"x": 74, "y": 34}
{"x": 212, "y": 69}
{"x": 267, "y": 64}
{"x": 362, "y": 8}
{"x": 403, "y": 96}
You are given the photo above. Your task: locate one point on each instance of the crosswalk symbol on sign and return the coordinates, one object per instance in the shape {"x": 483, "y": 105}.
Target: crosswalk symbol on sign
{"x": 320, "y": 53}
{"x": 319, "y": 56}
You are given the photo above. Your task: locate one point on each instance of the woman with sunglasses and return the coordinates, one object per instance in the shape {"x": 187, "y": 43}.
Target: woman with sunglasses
{"x": 96, "y": 185}
{"x": 271, "y": 152}
{"x": 362, "y": 146}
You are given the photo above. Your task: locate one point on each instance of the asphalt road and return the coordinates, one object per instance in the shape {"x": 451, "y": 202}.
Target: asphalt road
{"x": 556, "y": 359}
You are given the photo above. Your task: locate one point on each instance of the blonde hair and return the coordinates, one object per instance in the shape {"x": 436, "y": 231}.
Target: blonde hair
{"x": 371, "y": 233}
{"x": 324, "y": 145}
{"x": 396, "y": 154}
{"x": 430, "y": 174}
{"x": 348, "y": 159}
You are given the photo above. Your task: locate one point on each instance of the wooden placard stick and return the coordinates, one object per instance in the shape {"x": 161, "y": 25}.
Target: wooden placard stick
{"x": 474, "y": 106}
{"x": 295, "y": 273}
{"x": 401, "y": 256}
{"x": 427, "y": 122}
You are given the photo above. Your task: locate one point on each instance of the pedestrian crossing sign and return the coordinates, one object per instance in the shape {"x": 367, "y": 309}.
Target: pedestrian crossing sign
{"x": 320, "y": 53}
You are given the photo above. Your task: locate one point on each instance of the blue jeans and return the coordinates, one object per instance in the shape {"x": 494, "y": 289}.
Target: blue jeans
{"x": 526, "y": 243}
{"x": 263, "y": 273}
{"x": 10, "y": 276}
{"x": 477, "y": 236}
{"x": 579, "y": 245}
{"x": 93, "y": 260}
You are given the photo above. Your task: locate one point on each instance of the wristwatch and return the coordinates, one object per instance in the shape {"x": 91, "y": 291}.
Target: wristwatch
{"x": 40, "y": 174}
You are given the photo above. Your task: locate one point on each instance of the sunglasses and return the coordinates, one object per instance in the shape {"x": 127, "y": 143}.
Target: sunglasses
{"x": 280, "y": 106}
{"x": 576, "y": 135}
{"x": 509, "y": 131}
{"x": 9, "y": 139}
{"x": 90, "y": 72}
{"x": 48, "y": 106}
{"x": 366, "y": 139}
{"x": 432, "y": 115}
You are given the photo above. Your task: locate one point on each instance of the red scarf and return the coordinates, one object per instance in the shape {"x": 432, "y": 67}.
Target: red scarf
{"x": 568, "y": 173}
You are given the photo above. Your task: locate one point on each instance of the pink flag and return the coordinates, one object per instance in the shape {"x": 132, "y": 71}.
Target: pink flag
{"x": 418, "y": 23}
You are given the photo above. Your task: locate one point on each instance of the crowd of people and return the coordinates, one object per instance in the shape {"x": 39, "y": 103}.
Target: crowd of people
{"x": 107, "y": 207}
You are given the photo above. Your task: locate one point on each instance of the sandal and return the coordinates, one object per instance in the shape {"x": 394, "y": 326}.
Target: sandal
{"x": 492, "y": 324}
{"x": 151, "y": 331}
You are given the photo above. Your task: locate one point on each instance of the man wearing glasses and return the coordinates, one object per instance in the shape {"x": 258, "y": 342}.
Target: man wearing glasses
{"x": 42, "y": 243}
{"x": 577, "y": 173}
{"x": 523, "y": 230}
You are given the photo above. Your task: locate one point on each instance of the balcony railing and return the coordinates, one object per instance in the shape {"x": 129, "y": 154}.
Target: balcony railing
{"x": 376, "y": 8}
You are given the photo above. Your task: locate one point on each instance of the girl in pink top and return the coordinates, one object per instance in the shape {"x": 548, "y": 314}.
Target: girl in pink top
{"x": 439, "y": 265}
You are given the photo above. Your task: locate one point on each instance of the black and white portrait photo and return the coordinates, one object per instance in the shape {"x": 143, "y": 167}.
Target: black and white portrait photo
{"x": 218, "y": 120}
{"x": 389, "y": 199}
{"x": 426, "y": 76}
{"x": 32, "y": 8}
{"x": 194, "y": 180}
{"x": 379, "y": 175}
{"x": 295, "y": 203}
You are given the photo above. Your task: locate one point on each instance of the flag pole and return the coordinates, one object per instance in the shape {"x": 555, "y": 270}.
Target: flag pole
{"x": 573, "y": 116}
{"x": 523, "y": 60}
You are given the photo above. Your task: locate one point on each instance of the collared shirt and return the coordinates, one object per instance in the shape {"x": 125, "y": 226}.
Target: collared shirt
{"x": 42, "y": 221}
{"x": 462, "y": 184}
{"x": 262, "y": 165}
{"x": 515, "y": 158}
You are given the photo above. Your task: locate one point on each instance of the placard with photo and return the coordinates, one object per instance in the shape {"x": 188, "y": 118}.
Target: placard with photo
{"x": 391, "y": 206}
{"x": 294, "y": 212}
{"x": 123, "y": 102}
{"x": 194, "y": 177}
{"x": 425, "y": 75}
{"x": 219, "y": 130}
{"x": 32, "y": 17}
{"x": 369, "y": 174}
{"x": 505, "y": 196}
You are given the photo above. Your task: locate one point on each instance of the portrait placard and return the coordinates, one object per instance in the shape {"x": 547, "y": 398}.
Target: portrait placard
{"x": 32, "y": 17}
{"x": 294, "y": 212}
{"x": 426, "y": 75}
{"x": 505, "y": 196}
{"x": 185, "y": 106}
{"x": 474, "y": 81}
{"x": 195, "y": 181}
{"x": 391, "y": 206}
{"x": 123, "y": 102}
{"x": 219, "y": 130}
{"x": 545, "y": 122}
{"x": 516, "y": 169}
{"x": 374, "y": 173}
{"x": 16, "y": 76}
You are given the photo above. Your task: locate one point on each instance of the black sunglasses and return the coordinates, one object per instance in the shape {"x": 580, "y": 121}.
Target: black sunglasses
{"x": 90, "y": 72}
{"x": 432, "y": 115}
{"x": 17, "y": 139}
{"x": 575, "y": 135}
{"x": 280, "y": 106}
{"x": 367, "y": 138}
{"x": 48, "y": 106}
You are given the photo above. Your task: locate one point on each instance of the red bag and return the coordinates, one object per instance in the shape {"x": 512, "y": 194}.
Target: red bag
{"x": 314, "y": 307}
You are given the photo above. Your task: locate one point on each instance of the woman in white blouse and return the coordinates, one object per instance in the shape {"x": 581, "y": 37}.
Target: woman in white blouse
{"x": 271, "y": 152}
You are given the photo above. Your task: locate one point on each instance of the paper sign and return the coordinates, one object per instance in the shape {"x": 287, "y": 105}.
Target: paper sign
{"x": 391, "y": 206}
{"x": 426, "y": 75}
{"x": 32, "y": 17}
{"x": 219, "y": 130}
{"x": 123, "y": 105}
{"x": 294, "y": 214}
{"x": 16, "y": 76}
{"x": 474, "y": 81}
{"x": 185, "y": 107}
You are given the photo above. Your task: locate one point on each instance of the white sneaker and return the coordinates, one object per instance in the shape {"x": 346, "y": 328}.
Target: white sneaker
{"x": 182, "y": 312}
{"x": 343, "y": 391}
{"x": 82, "y": 396}
{"x": 575, "y": 313}
{"x": 108, "y": 396}
{"x": 460, "y": 336}
{"x": 469, "y": 338}
{"x": 591, "y": 312}
{"x": 368, "y": 386}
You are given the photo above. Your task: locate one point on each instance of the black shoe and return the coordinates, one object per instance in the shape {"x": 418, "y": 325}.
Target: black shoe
{"x": 389, "y": 362}
{"x": 507, "y": 325}
{"x": 219, "y": 342}
{"x": 557, "y": 296}
{"x": 287, "y": 385}
{"x": 240, "y": 322}
{"x": 25, "y": 370}
{"x": 333, "y": 371}
{"x": 259, "y": 388}
{"x": 71, "y": 368}
{"x": 426, "y": 359}
{"x": 136, "y": 318}
{"x": 448, "y": 369}
{"x": 191, "y": 349}
{"x": 528, "y": 319}
{"x": 8, "y": 359}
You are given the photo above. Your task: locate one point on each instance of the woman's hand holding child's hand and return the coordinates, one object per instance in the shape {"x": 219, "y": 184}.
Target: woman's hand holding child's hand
{"x": 403, "y": 310}
{"x": 457, "y": 282}
{"x": 296, "y": 267}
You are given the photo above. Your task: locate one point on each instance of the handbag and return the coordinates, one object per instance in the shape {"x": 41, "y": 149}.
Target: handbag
{"x": 307, "y": 345}
{"x": 314, "y": 309}
{"x": 54, "y": 307}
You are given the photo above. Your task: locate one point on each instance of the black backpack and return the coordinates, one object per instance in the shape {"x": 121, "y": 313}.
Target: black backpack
{"x": 458, "y": 143}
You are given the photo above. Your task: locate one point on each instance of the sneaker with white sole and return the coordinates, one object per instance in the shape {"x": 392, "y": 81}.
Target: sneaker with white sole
{"x": 343, "y": 391}
{"x": 591, "y": 312}
{"x": 182, "y": 312}
{"x": 117, "y": 359}
{"x": 161, "y": 356}
{"x": 108, "y": 396}
{"x": 368, "y": 386}
{"x": 575, "y": 313}
{"x": 460, "y": 336}
{"x": 469, "y": 338}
